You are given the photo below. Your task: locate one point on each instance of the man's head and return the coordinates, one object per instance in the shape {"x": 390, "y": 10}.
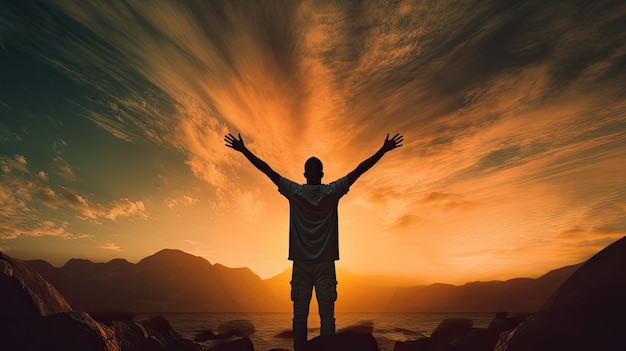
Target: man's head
{"x": 313, "y": 170}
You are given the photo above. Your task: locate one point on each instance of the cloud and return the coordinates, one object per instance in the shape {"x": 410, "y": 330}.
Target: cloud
{"x": 20, "y": 159}
{"x": 43, "y": 176}
{"x": 62, "y": 168}
{"x": 95, "y": 212}
{"x": 58, "y": 144}
{"x": 110, "y": 246}
{"x": 13, "y": 225}
{"x": 578, "y": 234}
{"x": 23, "y": 194}
{"x": 185, "y": 200}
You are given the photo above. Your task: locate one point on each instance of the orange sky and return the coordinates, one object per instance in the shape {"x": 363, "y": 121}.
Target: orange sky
{"x": 514, "y": 120}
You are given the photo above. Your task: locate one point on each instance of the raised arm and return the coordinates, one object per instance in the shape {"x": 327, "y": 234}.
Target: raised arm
{"x": 238, "y": 145}
{"x": 388, "y": 145}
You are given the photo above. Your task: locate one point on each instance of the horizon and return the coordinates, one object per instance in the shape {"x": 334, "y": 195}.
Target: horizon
{"x": 382, "y": 280}
{"x": 113, "y": 116}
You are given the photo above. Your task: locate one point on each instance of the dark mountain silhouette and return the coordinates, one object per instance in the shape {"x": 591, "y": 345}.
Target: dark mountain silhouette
{"x": 519, "y": 295}
{"x": 174, "y": 281}
{"x": 168, "y": 281}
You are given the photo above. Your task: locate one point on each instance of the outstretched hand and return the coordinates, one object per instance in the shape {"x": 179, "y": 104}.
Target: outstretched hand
{"x": 394, "y": 142}
{"x": 234, "y": 143}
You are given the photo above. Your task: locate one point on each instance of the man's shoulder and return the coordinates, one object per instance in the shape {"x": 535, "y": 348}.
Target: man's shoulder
{"x": 287, "y": 181}
{"x": 287, "y": 186}
{"x": 341, "y": 181}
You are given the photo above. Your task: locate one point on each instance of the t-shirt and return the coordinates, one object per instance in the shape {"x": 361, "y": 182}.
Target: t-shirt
{"x": 313, "y": 222}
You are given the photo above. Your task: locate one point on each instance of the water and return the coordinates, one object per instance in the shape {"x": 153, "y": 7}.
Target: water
{"x": 388, "y": 327}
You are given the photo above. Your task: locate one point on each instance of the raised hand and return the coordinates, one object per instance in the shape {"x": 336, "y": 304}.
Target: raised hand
{"x": 234, "y": 143}
{"x": 394, "y": 142}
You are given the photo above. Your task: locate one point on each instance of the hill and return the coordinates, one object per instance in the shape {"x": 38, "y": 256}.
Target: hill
{"x": 168, "y": 281}
{"x": 174, "y": 281}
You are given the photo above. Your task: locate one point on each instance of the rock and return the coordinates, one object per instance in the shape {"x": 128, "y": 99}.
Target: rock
{"x": 342, "y": 341}
{"x": 34, "y": 316}
{"x": 131, "y": 337}
{"x": 25, "y": 293}
{"x": 449, "y": 329}
{"x": 237, "y": 327}
{"x": 159, "y": 328}
{"x": 243, "y": 344}
{"x": 423, "y": 344}
{"x": 285, "y": 334}
{"x": 108, "y": 316}
{"x": 204, "y": 336}
{"x": 76, "y": 331}
{"x": 585, "y": 313}
{"x": 366, "y": 327}
{"x": 480, "y": 339}
{"x": 408, "y": 332}
{"x": 502, "y": 322}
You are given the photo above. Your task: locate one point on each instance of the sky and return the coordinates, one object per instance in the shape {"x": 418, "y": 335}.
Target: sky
{"x": 113, "y": 116}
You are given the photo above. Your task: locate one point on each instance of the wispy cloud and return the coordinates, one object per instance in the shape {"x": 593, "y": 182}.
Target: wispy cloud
{"x": 110, "y": 246}
{"x": 185, "y": 200}
{"x": 62, "y": 168}
{"x": 22, "y": 191}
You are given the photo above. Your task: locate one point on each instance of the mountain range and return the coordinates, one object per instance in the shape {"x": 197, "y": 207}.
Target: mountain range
{"x": 175, "y": 281}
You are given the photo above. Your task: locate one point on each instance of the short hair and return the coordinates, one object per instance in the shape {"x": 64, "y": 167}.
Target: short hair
{"x": 313, "y": 165}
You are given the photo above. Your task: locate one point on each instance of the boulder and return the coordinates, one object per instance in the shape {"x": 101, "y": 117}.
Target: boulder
{"x": 34, "y": 316}
{"x": 449, "y": 329}
{"x": 347, "y": 340}
{"x": 75, "y": 330}
{"x": 237, "y": 327}
{"x": 586, "y": 313}
{"x": 365, "y": 327}
{"x": 502, "y": 322}
{"x": 423, "y": 344}
{"x": 109, "y": 316}
{"x": 204, "y": 336}
{"x": 285, "y": 334}
{"x": 132, "y": 337}
{"x": 243, "y": 344}
{"x": 158, "y": 328}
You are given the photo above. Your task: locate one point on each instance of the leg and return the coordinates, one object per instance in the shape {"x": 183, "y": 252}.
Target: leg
{"x": 301, "y": 291}
{"x": 326, "y": 292}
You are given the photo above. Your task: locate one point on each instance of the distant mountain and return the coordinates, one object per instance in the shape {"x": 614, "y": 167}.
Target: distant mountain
{"x": 174, "y": 281}
{"x": 518, "y": 295}
{"x": 168, "y": 281}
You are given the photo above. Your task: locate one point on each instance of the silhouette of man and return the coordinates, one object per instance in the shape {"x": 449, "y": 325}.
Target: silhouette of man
{"x": 313, "y": 232}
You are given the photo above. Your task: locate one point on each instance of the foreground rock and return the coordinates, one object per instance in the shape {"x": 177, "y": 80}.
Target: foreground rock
{"x": 159, "y": 329}
{"x": 34, "y": 316}
{"x": 243, "y": 344}
{"x": 458, "y": 334}
{"x": 346, "y": 340}
{"x": 588, "y": 312}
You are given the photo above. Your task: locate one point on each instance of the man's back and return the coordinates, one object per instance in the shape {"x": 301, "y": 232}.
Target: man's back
{"x": 313, "y": 219}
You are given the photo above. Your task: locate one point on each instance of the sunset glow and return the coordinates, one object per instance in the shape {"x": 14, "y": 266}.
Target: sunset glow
{"x": 113, "y": 115}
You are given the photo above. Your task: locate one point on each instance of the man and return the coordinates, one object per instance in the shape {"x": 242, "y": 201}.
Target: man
{"x": 313, "y": 232}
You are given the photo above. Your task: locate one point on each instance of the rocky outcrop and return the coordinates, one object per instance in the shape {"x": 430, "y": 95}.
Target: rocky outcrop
{"x": 243, "y": 344}
{"x": 346, "y": 340}
{"x": 34, "y": 316}
{"x": 458, "y": 334}
{"x": 158, "y": 328}
{"x": 586, "y": 313}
